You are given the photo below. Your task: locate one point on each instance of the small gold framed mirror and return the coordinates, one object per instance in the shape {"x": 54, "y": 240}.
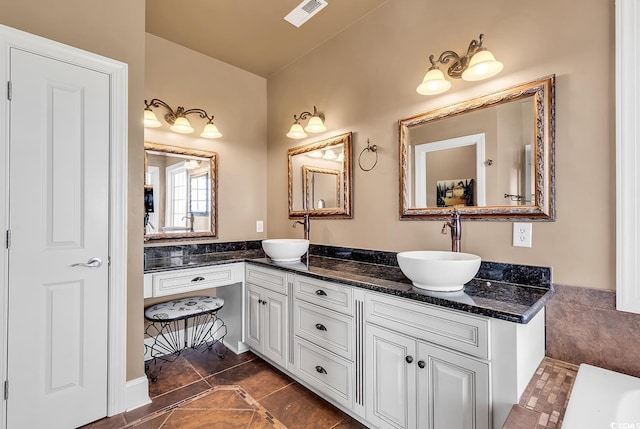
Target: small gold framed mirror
{"x": 319, "y": 178}
{"x": 180, "y": 192}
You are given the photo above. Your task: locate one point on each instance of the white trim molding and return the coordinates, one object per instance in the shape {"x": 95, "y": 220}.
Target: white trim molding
{"x": 627, "y": 155}
{"x": 137, "y": 393}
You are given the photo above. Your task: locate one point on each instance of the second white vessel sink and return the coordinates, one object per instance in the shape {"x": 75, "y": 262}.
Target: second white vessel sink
{"x": 438, "y": 270}
{"x": 285, "y": 249}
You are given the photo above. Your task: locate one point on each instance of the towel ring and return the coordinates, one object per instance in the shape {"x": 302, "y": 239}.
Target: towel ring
{"x": 369, "y": 148}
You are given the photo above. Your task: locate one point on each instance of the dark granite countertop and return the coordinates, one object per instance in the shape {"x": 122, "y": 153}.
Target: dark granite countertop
{"x": 488, "y": 295}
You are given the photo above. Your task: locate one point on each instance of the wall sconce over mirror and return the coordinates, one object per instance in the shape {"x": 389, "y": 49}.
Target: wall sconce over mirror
{"x": 315, "y": 124}
{"x": 490, "y": 158}
{"x": 478, "y": 63}
{"x": 178, "y": 119}
{"x": 320, "y": 178}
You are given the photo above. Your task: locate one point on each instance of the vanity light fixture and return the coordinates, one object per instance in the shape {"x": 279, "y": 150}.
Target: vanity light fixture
{"x": 178, "y": 119}
{"x": 479, "y": 63}
{"x": 315, "y": 124}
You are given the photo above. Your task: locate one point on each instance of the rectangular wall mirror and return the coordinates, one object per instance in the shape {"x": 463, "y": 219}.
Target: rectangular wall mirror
{"x": 320, "y": 178}
{"x": 490, "y": 157}
{"x": 180, "y": 192}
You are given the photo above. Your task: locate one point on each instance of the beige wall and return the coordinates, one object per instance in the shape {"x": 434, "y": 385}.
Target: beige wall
{"x": 238, "y": 100}
{"x": 364, "y": 81}
{"x": 114, "y": 29}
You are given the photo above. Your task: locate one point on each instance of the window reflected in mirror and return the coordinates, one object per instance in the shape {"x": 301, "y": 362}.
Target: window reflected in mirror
{"x": 180, "y": 192}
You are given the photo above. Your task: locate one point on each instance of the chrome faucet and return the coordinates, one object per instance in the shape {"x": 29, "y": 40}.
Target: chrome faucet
{"x": 307, "y": 226}
{"x": 456, "y": 230}
{"x": 191, "y": 219}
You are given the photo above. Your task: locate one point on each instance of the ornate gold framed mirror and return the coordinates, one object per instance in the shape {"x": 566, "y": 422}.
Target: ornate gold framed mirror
{"x": 319, "y": 178}
{"x": 180, "y": 192}
{"x": 491, "y": 157}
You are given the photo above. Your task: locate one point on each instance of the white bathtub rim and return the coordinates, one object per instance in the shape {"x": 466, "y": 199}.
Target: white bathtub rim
{"x": 596, "y": 400}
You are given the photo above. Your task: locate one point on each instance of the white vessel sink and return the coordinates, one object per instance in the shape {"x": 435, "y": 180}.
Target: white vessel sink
{"x": 285, "y": 249}
{"x": 439, "y": 271}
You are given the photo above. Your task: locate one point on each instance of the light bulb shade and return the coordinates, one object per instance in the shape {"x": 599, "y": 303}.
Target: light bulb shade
{"x": 211, "y": 131}
{"x": 315, "y": 125}
{"x": 315, "y": 154}
{"x": 483, "y": 65}
{"x": 181, "y": 125}
{"x": 150, "y": 120}
{"x": 296, "y": 132}
{"x": 329, "y": 154}
{"x": 433, "y": 83}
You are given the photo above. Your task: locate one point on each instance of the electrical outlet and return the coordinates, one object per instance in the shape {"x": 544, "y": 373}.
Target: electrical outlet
{"x": 259, "y": 226}
{"x": 522, "y": 234}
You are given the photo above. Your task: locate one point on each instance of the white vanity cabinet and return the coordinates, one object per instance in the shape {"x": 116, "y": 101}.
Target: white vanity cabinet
{"x": 415, "y": 384}
{"x": 430, "y": 367}
{"x": 324, "y": 338}
{"x": 267, "y": 313}
{"x": 391, "y": 362}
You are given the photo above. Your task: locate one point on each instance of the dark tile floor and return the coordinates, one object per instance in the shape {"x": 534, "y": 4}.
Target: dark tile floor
{"x": 200, "y": 390}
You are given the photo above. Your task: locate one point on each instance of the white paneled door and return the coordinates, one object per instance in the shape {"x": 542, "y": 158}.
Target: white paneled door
{"x": 58, "y": 253}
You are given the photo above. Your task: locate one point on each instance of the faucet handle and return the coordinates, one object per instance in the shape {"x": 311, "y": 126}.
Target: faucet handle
{"x": 444, "y": 228}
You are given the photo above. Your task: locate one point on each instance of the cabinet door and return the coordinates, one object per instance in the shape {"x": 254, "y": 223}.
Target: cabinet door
{"x": 275, "y": 327}
{"x": 453, "y": 390}
{"x": 391, "y": 373}
{"x": 253, "y": 334}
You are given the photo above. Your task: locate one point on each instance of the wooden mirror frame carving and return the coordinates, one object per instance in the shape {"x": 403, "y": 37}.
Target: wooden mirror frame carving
{"x": 543, "y": 208}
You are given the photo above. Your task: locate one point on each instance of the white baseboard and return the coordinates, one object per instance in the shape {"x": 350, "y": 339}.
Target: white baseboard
{"x": 137, "y": 393}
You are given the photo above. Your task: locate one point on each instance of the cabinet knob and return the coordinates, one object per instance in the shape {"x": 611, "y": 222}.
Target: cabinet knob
{"x": 409, "y": 359}
{"x": 259, "y": 301}
{"x": 421, "y": 364}
{"x": 320, "y": 292}
{"x": 320, "y": 327}
{"x": 321, "y": 370}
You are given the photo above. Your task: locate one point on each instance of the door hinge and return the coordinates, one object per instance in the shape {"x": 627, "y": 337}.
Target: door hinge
{"x": 6, "y": 390}
{"x": 8, "y": 239}
{"x": 9, "y": 90}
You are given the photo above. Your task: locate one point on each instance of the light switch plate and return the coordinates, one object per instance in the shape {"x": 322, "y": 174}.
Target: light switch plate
{"x": 259, "y": 226}
{"x": 522, "y": 234}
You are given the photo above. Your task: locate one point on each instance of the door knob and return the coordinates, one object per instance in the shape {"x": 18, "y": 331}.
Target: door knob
{"x": 91, "y": 263}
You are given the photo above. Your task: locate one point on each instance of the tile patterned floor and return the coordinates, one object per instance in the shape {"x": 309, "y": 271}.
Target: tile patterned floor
{"x": 545, "y": 398}
{"x": 200, "y": 390}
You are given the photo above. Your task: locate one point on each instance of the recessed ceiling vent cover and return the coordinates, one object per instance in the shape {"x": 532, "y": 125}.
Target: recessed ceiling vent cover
{"x": 304, "y": 11}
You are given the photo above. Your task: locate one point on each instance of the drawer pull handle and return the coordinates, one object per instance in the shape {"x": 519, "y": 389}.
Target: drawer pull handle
{"x": 320, "y": 327}
{"x": 197, "y": 279}
{"x": 320, "y": 292}
{"x": 321, "y": 370}
{"x": 409, "y": 359}
{"x": 421, "y": 364}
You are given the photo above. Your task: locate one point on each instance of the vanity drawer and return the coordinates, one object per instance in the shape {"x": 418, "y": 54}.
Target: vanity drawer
{"x": 187, "y": 280}
{"x": 465, "y": 333}
{"x": 331, "y": 375}
{"x": 330, "y": 295}
{"x": 325, "y": 328}
{"x": 274, "y": 280}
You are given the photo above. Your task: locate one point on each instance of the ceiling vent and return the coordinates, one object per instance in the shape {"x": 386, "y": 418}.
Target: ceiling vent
{"x": 304, "y": 11}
